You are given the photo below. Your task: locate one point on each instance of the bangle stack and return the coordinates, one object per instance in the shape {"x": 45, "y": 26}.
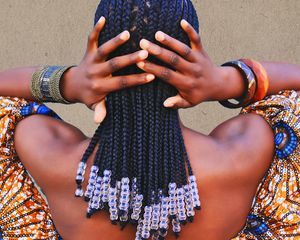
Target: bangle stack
{"x": 256, "y": 82}
{"x": 45, "y": 84}
{"x": 261, "y": 78}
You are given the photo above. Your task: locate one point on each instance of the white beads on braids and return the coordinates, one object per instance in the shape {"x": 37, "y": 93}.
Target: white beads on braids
{"x": 164, "y": 214}
{"x": 188, "y": 201}
{"x": 78, "y": 192}
{"x": 172, "y": 199}
{"x": 81, "y": 169}
{"x": 105, "y": 185}
{"x": 124, "y": 199}
{"x": 125, "y": 194}
{"x": 155, "y": 217}
{"x": 181, "y": 205}
{"x": 137, "y": 207}
{"x": 89, "y": 191}
{"x": 138, "y": 234}
{"x": 147, "y": 222}
{"x": 176, "y": 206}
{"x": 194, "y": 191}
{"x": 96, "y": 198}
{"x": 113, "y": 205}
{"x": 92, "y": 182}
{"x": 80, "y": 178}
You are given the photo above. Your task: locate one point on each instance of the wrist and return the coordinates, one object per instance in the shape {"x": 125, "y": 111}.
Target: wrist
{"x": 233, "y": 84}
{"x": 68, "y": 85}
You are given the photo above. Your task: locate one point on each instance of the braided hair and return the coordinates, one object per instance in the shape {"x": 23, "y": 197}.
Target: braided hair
{"x": 141, "y": 172}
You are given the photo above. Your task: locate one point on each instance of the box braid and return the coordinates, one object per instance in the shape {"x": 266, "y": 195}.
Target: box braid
{"x": 141, "y": 172}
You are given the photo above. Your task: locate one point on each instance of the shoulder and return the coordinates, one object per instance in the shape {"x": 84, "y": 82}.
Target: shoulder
{"x": 43, "y": 130}
{"x": 247, "y": 143}
{"x": 41, "y": 141}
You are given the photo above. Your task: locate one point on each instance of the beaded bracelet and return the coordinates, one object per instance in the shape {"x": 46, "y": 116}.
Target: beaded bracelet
{"x": 45, "y": 84}
{"x": 261, "y": 78}
{"x": 249, "y": 81}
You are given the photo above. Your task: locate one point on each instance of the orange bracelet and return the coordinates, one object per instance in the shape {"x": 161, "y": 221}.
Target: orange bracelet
{"x": 261, "y": 78}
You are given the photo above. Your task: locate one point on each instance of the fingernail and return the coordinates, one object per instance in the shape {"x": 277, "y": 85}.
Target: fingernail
{"x": 143, "y": 54}
{"x": 140, "y": 64}
{"x": 184, "y": 23}
{"x": 101, "y": 19}
{"x": 144, "y": 43}
{"x": 125, "y": 35}
{"x": 160, "y": 36}
{"x": 168, "y": 104}
{"x": 150, "y": 77}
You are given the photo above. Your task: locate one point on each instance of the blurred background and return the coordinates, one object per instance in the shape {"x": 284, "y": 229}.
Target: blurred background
{"x": 54, "y": 32}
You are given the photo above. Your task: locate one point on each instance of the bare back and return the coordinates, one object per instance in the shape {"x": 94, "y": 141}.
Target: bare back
{"x": 228, "y": 164}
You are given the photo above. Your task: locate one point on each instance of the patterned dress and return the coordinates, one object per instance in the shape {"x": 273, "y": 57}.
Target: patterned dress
{"x": 24, "y": 214}
{"x": 275, "y": 213}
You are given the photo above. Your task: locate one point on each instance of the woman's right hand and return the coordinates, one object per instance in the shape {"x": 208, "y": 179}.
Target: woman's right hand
{"x": 92, "y": 79}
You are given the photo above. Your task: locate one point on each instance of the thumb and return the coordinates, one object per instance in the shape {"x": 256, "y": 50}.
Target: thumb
{"x": 100, "y": 112}
{"x": 176, "y": 102}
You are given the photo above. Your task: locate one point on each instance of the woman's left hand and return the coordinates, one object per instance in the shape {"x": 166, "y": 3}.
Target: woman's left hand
{"x": 196, "y": 77}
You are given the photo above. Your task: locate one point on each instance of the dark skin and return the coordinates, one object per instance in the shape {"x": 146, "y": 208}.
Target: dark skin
{"x": 228, "y": 173}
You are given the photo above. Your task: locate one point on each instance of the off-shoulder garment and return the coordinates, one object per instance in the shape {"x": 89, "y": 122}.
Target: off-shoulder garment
{"x": 24, "y": 214}
{"x": 275, "y": 213}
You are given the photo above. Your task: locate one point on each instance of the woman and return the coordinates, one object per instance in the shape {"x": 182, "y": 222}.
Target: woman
{"x": 140, "y": 138}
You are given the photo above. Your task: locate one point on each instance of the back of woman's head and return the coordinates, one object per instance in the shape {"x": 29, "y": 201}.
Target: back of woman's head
{"x": 141, "y": 170}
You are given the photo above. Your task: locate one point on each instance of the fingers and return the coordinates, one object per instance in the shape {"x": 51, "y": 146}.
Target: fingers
{"x": 94, "y": 35}
{"x": 118, "y": 63}
{"x": 100, "y": 112}
{"x": 121, "y": 82}
{"x": 163, "y": 73}
{"x": 176, "y": 102}
{"x": 193, "y": 35}
{"x": 111, "y": 45}
{"x": 177, "y": 46}
{"x": 165, "y": 55}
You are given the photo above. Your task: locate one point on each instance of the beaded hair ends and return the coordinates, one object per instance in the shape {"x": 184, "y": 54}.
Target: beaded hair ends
{"x": 141, "y": 172}
{"x": 125, "y": 203}
{"x": 136, "y": 197}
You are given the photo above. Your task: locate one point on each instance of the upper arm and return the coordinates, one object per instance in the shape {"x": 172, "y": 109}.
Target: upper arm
{"x": 247, "y": 142}
{"x": 40, "y": 143}
{"x": 34, "y": 137}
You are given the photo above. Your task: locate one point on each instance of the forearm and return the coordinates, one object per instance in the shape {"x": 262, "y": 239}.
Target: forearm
{"x": 282, "y": 76}
{"x": 16, "y": 83}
